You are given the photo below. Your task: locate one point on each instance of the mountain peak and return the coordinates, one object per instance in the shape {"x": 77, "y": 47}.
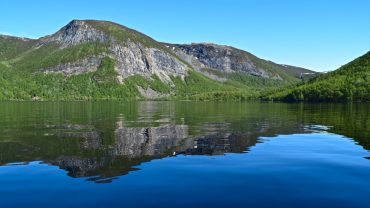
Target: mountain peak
{"x": 77, "y": 22}
{"x": 91, "y": 22}
{"x": 76, "y": 32}
{"x": 82, "y": 31}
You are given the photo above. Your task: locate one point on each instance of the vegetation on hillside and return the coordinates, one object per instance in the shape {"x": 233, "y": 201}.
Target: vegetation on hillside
{"x": 349, "y": 83}
{"x": 103, "y": 84}
{"x": 251, "y": 83}
{"x": 23, "y": 61}
{"x": 123, "y": 34}
{"x": 51, "y": 55}
{"x": 10, "y": 47}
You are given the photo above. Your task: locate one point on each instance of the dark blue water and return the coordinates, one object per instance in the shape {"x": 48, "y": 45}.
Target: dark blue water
{"x": 184, "y": 155}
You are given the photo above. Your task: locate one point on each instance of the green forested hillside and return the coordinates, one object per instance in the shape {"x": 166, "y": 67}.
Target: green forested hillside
{"x": 11, "y": 47}
{"x": 40, "y": 69}
{"x": 103, "y": 84}
{"x": 351, "y": 82}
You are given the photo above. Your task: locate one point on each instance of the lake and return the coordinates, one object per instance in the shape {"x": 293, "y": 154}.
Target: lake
{"x": 184, "y": 154}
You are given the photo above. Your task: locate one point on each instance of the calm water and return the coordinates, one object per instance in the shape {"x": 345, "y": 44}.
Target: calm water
{"x": 184, "y": 154}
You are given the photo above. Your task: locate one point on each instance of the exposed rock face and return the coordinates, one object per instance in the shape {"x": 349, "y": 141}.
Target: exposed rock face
{"x": 132, "y": 58}
{"x": 135, "y": 59}
{"x": 223, "y": 58}
{"x": 76, "y": 32}
{"x": 150, "y": 93}
{"x": 85, "y": 65}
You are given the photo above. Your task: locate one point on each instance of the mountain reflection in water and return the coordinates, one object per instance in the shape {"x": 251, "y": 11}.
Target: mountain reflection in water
{"x": 134, "y": 145}
{"x": 104, "y": 140}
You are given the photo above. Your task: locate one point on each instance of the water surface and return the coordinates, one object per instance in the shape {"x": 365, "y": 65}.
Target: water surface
{"x": 184, "y": 154}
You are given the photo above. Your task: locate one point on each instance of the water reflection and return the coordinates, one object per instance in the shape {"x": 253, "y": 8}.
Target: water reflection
{"x": 219, "y": 144}
{"x": 134, "y": 145}
{"x": 104, "y": 140}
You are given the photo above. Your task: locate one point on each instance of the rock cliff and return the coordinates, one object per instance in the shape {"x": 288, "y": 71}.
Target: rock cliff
{"x": 132, "y": 57}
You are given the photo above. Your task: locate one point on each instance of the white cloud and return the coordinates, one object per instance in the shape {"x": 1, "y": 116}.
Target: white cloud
{"x": 5, "y": 33}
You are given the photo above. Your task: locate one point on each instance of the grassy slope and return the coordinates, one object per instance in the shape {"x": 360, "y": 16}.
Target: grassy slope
{"x": 50, "y": 55}
{"x": 251, "y": 83}
{"x": 198, "y": 87}
{"x": 10, "y": 47}
{"x": 122, "y": 34}
{"x": 351, "y": 82}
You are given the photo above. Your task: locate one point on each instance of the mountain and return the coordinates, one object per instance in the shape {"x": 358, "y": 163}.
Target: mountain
{"x": 89, "y": 59}
{"x": 350, "y": 82}
{"x": 229, "y": 60}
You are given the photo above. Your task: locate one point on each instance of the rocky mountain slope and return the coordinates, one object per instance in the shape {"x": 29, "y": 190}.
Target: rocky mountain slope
{"x": 227, "y": 60}
{"x": 133, "y": 52}
{"x": 89, "y": 59}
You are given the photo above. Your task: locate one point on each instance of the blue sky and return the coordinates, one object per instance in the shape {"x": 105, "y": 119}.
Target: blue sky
{"x": 317, "y": 34}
